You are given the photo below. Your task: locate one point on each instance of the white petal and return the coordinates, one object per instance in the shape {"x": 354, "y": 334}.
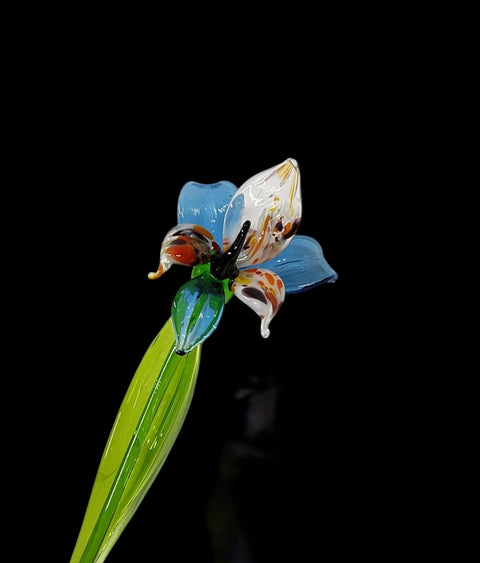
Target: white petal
{"x": 271, "y": 201}
{"x": 263, "y": 291}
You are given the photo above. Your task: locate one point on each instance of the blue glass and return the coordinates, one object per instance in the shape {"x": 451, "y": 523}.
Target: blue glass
{"x": 205, "y": 204}
{"x": 302, "y": 265}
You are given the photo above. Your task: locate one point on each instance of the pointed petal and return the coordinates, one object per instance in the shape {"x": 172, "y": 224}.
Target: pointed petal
{"x": 263, "y": 291}
{"x": 271, "y": 201}
{"x": 186, "y": 244}
{"x": 302, "y": 265}
{"x": 205, "y": 204}
{"x": 196, "y": 311}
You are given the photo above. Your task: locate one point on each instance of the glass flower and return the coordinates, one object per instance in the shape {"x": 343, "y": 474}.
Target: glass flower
{"x": 243, "y": 243}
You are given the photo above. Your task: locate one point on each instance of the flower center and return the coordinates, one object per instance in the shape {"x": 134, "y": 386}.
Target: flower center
{"x": 223, "y": 266}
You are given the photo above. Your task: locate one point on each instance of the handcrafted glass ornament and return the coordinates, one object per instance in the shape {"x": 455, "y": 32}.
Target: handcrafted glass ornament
{"x": 239, "y": 243}
{"x": 248, "y": 237}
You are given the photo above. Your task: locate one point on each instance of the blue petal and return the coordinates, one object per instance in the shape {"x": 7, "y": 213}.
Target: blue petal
{"x": 301, "y": 265}
{"x": 205, "y": 205}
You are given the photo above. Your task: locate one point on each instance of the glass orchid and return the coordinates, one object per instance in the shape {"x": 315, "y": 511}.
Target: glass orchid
{"x": 240, "y": 242}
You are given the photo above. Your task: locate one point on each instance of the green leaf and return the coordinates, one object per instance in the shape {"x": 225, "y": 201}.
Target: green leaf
{"x": 145, "y": 429}
{"x": 196, "y": 311}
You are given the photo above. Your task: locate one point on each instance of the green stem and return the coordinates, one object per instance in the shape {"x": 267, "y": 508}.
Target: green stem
{"x": 128, "y": 462}
{"x": 145, "y": 429}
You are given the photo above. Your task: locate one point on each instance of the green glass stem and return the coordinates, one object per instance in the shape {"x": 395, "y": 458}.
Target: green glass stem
{"x": 145, "y": 429}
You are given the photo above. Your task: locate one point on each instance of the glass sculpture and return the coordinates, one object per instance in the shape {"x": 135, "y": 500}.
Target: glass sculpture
{"x": 239, "y": 243}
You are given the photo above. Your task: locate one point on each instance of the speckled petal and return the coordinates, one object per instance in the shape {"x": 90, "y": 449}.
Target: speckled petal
{"x": 186, "y": 244}
{"x": 205, "y": 204}
{"x": 271, "y": 201}
{"x": 263, "y": 291}
{"x": 302, "y": 265}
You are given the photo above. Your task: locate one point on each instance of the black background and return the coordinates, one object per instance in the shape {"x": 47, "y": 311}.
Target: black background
{"x": 297, "y": 486}
{"x": 113, "y": 138}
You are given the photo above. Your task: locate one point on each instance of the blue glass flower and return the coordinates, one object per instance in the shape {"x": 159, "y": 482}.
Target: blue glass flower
{"x": 240, "y": 242}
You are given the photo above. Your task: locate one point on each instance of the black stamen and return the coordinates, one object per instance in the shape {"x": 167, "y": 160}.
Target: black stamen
{"x": 223, "y": 265}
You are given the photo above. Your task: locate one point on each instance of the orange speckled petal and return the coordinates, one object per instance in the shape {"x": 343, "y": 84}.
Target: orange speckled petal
{"x": 271, "y": 201}
{"x": 186, "y": 244}
{"x": 263, "y": 291}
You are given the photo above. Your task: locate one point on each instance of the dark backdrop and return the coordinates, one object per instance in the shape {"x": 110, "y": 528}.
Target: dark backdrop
{"x": 289, "y": 487}
{"x": 115, "y": 146}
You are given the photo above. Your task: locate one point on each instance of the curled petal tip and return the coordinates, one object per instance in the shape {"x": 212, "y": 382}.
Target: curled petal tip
{"x": 264, "y": 330}
{"x": 155, "y": 275}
